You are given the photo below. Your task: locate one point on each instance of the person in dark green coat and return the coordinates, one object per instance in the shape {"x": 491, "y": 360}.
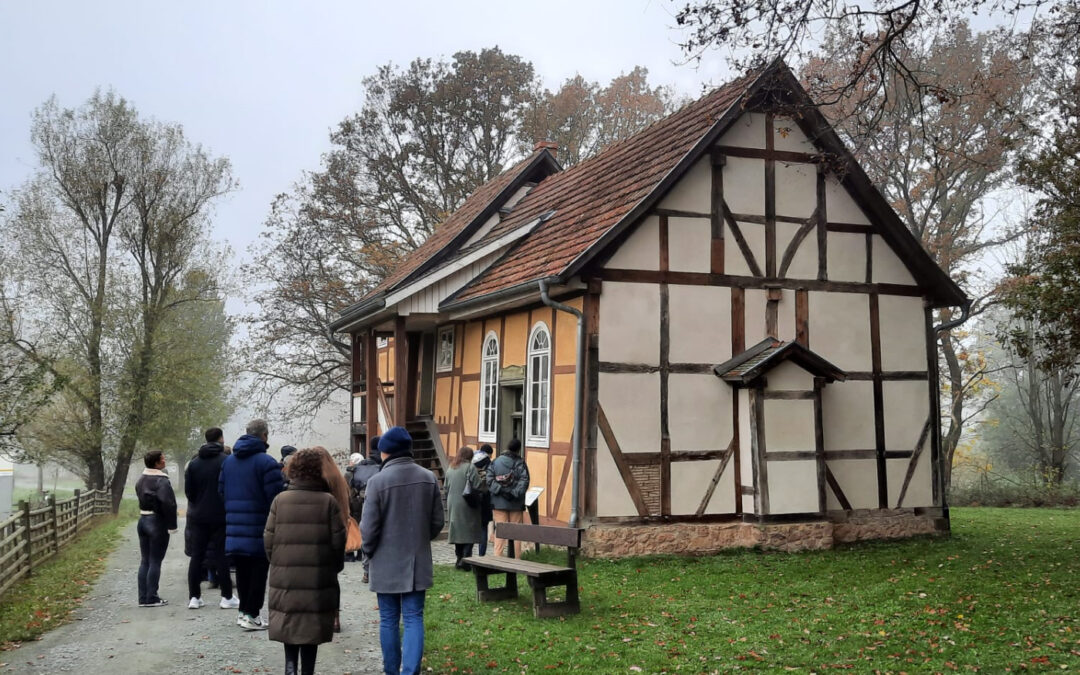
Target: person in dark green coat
{"x": 465, "y": 526}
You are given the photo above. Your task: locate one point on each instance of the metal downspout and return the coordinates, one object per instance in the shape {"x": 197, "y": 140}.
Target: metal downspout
{"x": 965, "y": 314}
{"x": 579, "y": 388}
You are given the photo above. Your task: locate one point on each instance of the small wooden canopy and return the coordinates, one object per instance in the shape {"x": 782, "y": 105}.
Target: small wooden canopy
{"x": 769, "y": 353}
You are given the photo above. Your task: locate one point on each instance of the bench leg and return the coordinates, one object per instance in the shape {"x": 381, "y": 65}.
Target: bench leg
{"x": 484, "y": 593}
{"x": 543, "y": 609}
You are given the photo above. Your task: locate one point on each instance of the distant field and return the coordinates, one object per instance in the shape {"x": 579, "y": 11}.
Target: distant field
{"x": 1003, "y": 593}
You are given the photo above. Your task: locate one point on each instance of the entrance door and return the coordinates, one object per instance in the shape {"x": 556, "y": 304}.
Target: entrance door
{"x": 427, "y": 375}
{"x": 511, "y": 413}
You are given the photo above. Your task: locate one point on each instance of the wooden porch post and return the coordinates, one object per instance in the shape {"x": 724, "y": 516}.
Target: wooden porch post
{"x": 412, "y": 374}
{"x": 402, "y": 387}
{"x": 371, "y": 385}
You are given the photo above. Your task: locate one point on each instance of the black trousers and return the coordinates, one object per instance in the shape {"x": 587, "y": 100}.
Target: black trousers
{"x": 207, "y": 542}
{"x": 251, "y": 572}
{"x": 305, "y": 654}
{"x": 153, "y": 542}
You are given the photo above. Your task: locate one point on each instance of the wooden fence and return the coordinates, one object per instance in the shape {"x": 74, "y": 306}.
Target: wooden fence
{"x": 33, "y": 535}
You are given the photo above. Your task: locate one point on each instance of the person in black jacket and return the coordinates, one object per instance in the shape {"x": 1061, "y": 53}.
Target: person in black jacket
{"x": 206, "y": 521}
{"x": 157, "y": 518}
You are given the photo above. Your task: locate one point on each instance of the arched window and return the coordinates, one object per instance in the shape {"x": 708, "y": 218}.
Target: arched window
{"x": 489, "y": 389}
{"x": 538, "y": 403}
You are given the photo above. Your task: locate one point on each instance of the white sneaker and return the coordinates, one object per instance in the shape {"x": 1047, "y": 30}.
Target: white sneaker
{"x": 195, "y": 603}
{"x": 230, "y": 603}
{"x": 251, "y": 623}
{"x": 240, "y": 619}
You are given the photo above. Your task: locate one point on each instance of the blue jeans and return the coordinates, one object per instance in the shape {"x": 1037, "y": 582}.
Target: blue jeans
{"x": 153, "y": 542}
{"x": 407, "y": 608}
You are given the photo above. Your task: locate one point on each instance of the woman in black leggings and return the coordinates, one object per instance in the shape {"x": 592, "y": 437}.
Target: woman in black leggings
{"x": 157, "y": 518}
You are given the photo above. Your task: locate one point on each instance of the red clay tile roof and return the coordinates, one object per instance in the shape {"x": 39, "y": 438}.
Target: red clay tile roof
{"x": 460, "y": 219}
{"x": 591, "y": 197}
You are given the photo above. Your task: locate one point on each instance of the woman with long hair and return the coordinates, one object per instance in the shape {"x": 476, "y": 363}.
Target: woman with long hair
{"x": 305, "y": 542}
{"x": 465, "y": 529}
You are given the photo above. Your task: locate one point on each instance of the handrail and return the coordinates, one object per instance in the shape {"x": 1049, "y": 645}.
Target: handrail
{"x": 436, "y": 441}
{"x": 385, "y": 418}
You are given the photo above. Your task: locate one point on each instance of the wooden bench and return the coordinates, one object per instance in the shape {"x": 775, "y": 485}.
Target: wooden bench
{"x": 541, "y": 576}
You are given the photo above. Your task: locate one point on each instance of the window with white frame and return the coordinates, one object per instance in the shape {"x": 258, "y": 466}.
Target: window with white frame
{"x": 489, "y": 388}
{"x": 444, "y": 357}
{"x": 538, "y": 398}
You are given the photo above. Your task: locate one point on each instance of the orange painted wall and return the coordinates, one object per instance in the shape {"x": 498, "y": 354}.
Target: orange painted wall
{"x": 457, "y": 395}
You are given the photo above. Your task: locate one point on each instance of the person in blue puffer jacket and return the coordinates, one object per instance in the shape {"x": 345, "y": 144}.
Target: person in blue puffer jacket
{"x": 249, "y": 481}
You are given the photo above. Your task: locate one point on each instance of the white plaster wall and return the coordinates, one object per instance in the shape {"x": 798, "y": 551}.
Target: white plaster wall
{"x": 796, "y": 190}
{"x": 845, "y": 258}
{"x": 788, "y": 136}
{"x": 789, "y": 425}
{"x": 839, "y": 205}
{"x": 630, "y": 323}
{"x": 907, "y": 407}
{"x": 888, "y": 267}
{"x": 693, "y": 192}
{"x": 744, "y": 185}
{"x": 641, "y": 250}
{"x": 723, "y": 499}
{"x": 748, "y": 131}
{"x": 734, "y": 261}
{"x": 840, "y": 329}
{"x": 903, "y": 333}
{"x": 858, "y": 479}
{"x": 689, "y": 244}
{"x": 920, "y": 491}
{"x": 612, "y": 496}
{"x": 789, "y": 376}
{"x": 847, "y": 413}
{"x": 755, "y": 301}
{"x": 700, "y": 324}
{"x": 631, "y": 402}
{"x": 804, "y": 263}
{"x": 690, "y": 480}
{"x": 699, "y": 412}
{"x": 793, "y": 487}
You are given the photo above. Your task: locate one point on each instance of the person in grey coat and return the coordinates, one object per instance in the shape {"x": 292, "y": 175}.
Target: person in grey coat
{"x": 403, "y": 512}
{"x": 464, "y": 517}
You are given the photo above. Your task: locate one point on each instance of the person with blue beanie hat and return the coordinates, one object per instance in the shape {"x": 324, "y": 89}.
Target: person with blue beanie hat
{"x": 403, "y": 513}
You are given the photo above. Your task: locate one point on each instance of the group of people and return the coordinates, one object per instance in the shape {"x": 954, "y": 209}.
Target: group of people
{"x": 286, "y": 523}
{"x": 480, "y": 491}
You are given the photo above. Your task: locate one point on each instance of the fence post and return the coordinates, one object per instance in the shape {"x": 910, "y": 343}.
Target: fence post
{"x": 78, "y": 503}
{"x": 55, "y": 524}
{"x": 24, "y": 506}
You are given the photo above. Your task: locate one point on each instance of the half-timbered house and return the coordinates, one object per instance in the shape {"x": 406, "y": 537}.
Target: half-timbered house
{"x": 759, "y": 363}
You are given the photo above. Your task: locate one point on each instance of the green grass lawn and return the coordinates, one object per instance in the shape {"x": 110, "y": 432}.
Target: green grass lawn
{"x": 33, "y": 496}
{"x": 47, "y": 598}
{"x": 1001, "y": 594}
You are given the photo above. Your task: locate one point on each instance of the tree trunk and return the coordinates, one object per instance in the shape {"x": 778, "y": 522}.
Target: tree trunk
{"x": 95, "y": 472}
{"x": 134, "y": 420}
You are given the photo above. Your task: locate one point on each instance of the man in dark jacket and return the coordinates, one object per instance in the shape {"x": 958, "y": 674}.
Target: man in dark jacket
{"x": 403, "y": 512}
{"x": 508, "y": 481}
{"x": 157, "y": 518}
{"x": 249, "y": 481}
{"x": 358, "y": 480}
{"x": 206, "y": 521}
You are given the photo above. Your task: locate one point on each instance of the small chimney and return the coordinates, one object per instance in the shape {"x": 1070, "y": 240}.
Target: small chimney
{"x": 550, "y": 146}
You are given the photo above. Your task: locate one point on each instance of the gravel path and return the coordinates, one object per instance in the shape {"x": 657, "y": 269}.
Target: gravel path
{"x": 112, "y": 634}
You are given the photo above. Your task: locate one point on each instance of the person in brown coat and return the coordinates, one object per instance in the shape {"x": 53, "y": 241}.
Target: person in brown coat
{"x": 305, "y": 543}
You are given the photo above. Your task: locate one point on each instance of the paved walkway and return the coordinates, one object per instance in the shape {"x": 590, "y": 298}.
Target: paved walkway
{"x": 111, "y": 634}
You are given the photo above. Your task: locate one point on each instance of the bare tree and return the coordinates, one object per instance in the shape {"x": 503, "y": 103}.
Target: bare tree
{"x": 109, "y": 234}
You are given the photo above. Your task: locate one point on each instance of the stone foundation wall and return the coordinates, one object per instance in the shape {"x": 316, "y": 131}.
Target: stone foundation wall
{"x": 616, "y": 541}
{"x": 864, "y": 524}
